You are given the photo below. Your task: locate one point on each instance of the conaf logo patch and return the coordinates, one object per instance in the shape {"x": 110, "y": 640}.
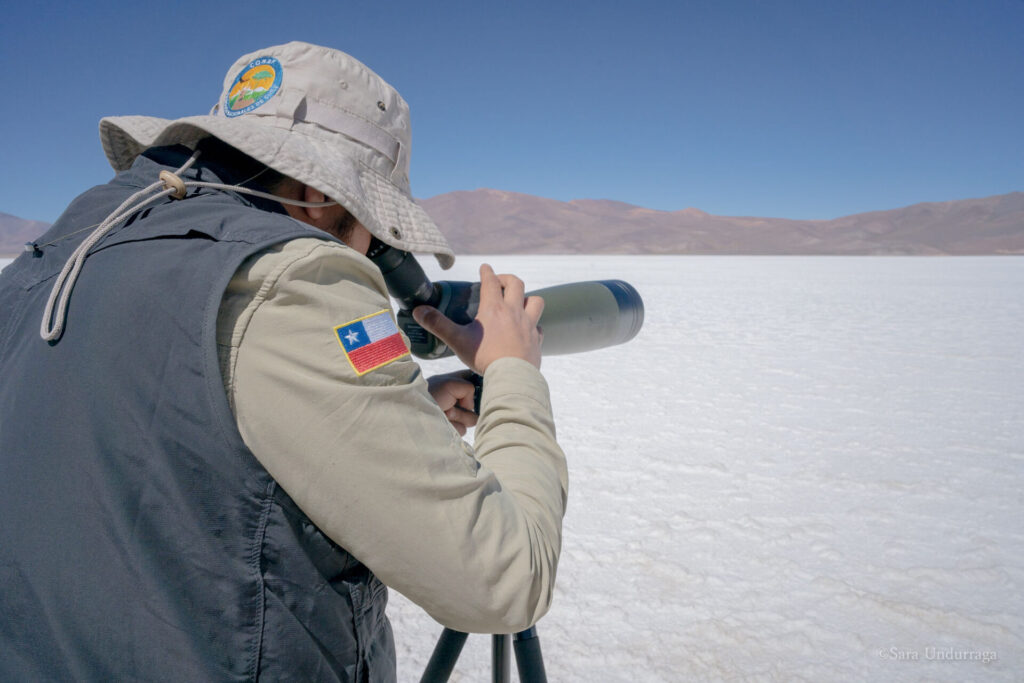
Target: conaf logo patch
{"x": 256, "y": 84}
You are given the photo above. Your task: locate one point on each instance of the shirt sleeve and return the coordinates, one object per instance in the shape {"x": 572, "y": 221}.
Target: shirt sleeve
{"x": 471, "y": 535}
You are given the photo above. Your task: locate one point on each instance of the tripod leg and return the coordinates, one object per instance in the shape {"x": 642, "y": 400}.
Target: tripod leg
{"x": 501, "y": 671}
{"x": 446, "y": 653}
{"x": 528, "y": 658}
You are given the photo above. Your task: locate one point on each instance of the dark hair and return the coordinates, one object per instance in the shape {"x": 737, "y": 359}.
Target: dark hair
{"x": 240, "y": 167}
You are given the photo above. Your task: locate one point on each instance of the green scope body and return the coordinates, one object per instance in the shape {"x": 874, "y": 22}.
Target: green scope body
{"x": 578, "y": 316}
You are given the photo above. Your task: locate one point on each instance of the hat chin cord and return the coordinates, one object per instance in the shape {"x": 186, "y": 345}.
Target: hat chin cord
{"x": 175, "y": 187}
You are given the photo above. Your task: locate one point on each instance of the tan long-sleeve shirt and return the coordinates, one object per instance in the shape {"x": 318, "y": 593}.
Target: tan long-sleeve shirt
{"x": 472, "y": 535}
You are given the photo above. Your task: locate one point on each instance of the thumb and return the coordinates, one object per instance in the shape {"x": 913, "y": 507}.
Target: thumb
{"x": 433, "y": 321}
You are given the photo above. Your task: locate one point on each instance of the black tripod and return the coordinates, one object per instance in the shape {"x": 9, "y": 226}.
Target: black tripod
{"x": 528, "y": 657}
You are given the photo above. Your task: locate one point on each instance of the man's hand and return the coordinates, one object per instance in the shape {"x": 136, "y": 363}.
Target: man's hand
{"x": 505, "y": 324}
{"x": 454, "y": 393}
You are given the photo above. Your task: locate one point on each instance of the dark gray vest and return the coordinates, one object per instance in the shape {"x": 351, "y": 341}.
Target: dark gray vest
{"x": 139, "y": 537}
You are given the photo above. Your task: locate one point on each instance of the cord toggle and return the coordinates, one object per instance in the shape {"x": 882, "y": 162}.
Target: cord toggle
{"x": 174, "y": 183}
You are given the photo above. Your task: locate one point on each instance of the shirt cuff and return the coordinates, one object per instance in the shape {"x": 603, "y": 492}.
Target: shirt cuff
{"x": 514, "y": 376}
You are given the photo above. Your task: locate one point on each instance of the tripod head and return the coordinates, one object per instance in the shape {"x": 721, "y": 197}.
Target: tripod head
{"x": 578, "y": 316}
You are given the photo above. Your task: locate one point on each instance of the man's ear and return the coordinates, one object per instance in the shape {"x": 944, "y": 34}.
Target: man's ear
{"x": 312, "y": 195}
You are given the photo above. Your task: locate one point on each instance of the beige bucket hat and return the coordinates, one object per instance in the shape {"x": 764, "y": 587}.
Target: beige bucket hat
{"x": 316, "y": 115}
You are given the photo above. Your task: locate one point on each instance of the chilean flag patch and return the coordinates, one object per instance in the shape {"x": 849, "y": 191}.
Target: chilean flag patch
{"x": 371, "y": 342}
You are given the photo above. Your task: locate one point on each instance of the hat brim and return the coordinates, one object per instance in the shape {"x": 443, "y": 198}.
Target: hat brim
{"x": 326, "y": 162}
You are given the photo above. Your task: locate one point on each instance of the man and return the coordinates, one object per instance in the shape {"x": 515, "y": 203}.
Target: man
{"x": 220, "y": 450}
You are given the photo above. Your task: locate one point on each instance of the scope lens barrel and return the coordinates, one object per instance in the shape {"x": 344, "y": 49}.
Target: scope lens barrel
{"x": 585, "y": 316}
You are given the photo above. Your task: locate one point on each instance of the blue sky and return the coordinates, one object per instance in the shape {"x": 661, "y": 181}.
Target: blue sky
{"x": 799, "y": 109}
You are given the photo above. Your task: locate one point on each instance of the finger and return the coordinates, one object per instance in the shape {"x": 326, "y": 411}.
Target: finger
{"x": 468, "y": 402}
{"x": 534, "y": 308}
{"x": 460, "y": 414}
{"x": 514, "y": 288}
{"x": 490, "y": 285}
{"x": 444, "y": 400}
{"x": 461, "y": 419}
{"x": 461, "y": 390}
{"x": 433, "y": 321}
{"x": 459, "y": 427}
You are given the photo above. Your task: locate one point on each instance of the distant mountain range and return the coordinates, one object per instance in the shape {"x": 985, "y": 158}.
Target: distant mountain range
{"x": 497, "y": 222}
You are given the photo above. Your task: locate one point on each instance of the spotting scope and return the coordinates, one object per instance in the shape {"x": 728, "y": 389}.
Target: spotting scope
{"x": 578, "y": 316}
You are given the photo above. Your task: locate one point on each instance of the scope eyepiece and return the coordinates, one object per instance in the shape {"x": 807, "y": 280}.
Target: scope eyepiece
{"x": 403, "y": 275}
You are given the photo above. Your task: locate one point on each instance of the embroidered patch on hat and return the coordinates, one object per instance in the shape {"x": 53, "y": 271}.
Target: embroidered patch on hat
{"x": 371, "y": 342}
{"x": 253, "y": 86}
